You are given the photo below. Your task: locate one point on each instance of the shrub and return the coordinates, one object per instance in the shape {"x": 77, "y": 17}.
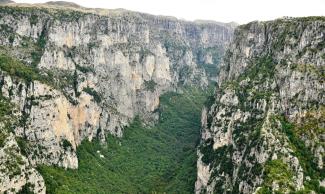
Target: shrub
{"x": 66, "y": 144}
{"x": 150, "y": 85}
{"x": 16, "y": 68}
{"x": 85, "y": 69}
{"x": 93, "y": 93}
{"x": 33, "y": 20}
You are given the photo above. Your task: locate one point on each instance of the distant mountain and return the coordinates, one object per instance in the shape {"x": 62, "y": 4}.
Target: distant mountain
{"x": 63, "y": 4}
{"x": 232, "y": 24}
{"x": 6, "y": 1}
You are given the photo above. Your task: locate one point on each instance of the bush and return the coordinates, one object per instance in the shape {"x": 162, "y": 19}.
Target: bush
{"x": 66, "y": 144}
{"x": 16, "y": 68}
{"x": 26, "y": 189}
{"x": 93, "y": 93}
{"x": 305, "y": 155}
{"x": 150, "y": 85}
{"x": 85, "y": 69}
{"x": 23, "y": 145}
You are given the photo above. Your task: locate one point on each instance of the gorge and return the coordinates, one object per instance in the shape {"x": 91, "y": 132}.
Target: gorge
{"x": 116, "y": 101}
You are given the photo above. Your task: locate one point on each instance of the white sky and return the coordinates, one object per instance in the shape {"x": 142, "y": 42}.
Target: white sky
{"x": 240, "y": 11}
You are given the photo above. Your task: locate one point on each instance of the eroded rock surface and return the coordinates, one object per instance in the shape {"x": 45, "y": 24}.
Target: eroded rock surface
{"x": 264, "y": 129}
{"x": 76, "y": 74}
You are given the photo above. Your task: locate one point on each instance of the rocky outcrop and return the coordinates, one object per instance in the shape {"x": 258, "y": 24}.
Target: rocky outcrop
{"x": 79, "y": 74}
{"x": 264, "y": 130}
{"x": 16, "y": 172}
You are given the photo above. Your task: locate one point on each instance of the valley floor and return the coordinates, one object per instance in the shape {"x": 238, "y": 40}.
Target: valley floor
{"x": 146, "y": 160}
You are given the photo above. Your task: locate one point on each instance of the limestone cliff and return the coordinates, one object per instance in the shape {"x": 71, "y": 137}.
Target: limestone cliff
{"x": 263, "y": 131}
{"x": 76, "y": 73}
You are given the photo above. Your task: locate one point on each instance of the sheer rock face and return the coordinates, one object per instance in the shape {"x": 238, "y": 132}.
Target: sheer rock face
{"x": 91, "y": 74}
{"x": 16, "y": 170}
{"x": 264, "y": 130}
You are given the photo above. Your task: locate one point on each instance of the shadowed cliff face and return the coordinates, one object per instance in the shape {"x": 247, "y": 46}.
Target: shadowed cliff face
{"x": 73, "y": 74}
{"x": 264, "y": 130}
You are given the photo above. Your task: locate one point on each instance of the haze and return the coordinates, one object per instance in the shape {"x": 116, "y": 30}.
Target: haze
{"x": 240, "y": 11}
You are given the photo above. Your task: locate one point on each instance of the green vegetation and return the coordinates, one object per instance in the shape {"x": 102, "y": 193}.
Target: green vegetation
{"x": 250, "y": 88}
{"x": 216, "y": 54}
{"x": 260, "y": 69}
{"x": 16, "y": 68}
{"x": 33, "y": 20}
{"x": 66, "y": 144}
{"x": 157, "y": 159}
{"x": 11, "y": 38}
{"x": 29, "y": 47}
{"x": 23, "y": 145}
{"x": 6, "y": 110}
{"x": 312, "y": 69}
{"x": 85, "y": 69}
{"x": 93, "y": 93}
{"x": 13, "y": 164}
{"x": 207, "y": 150}
{"x": 7, "y": 120}
{"x": 39, "y": 48}
{"x": 3, "y": 137}
{"x": 209, "y": 157}
{"x": 176, "y": 47}
{"x": 144, "y": 52}
{"x": 26, "y": 189}
{"x": 210, "y": 69}
{"x": 27, "y": 73}
{"x": 6, "y": 28}
{"x": 323, "y": 56}
{"x": 92, "y": 45}
{"x": 59, "y": 79}
{"x": 279, "y": 172}
{"x": 311, "y": 125}
{"x": 305, "y": 156}
{"x": 150, "y": 85}
{"x": 67, "y": 15}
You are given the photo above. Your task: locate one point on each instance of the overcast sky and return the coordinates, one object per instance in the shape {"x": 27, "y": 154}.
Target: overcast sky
{"x": 240, "y": 11}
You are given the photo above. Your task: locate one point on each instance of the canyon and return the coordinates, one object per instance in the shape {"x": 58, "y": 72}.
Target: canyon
{"x": 73, "y": 74}
{"x": 116, "y": 101}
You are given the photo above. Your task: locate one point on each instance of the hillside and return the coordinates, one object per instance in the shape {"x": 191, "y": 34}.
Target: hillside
{"x": 264, "y": 130}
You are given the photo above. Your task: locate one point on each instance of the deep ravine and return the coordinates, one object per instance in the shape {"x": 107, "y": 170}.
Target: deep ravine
{"x": 108, "y": 101}
{"x": 76, "y": 74}
{"x": 147, "y": 159}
